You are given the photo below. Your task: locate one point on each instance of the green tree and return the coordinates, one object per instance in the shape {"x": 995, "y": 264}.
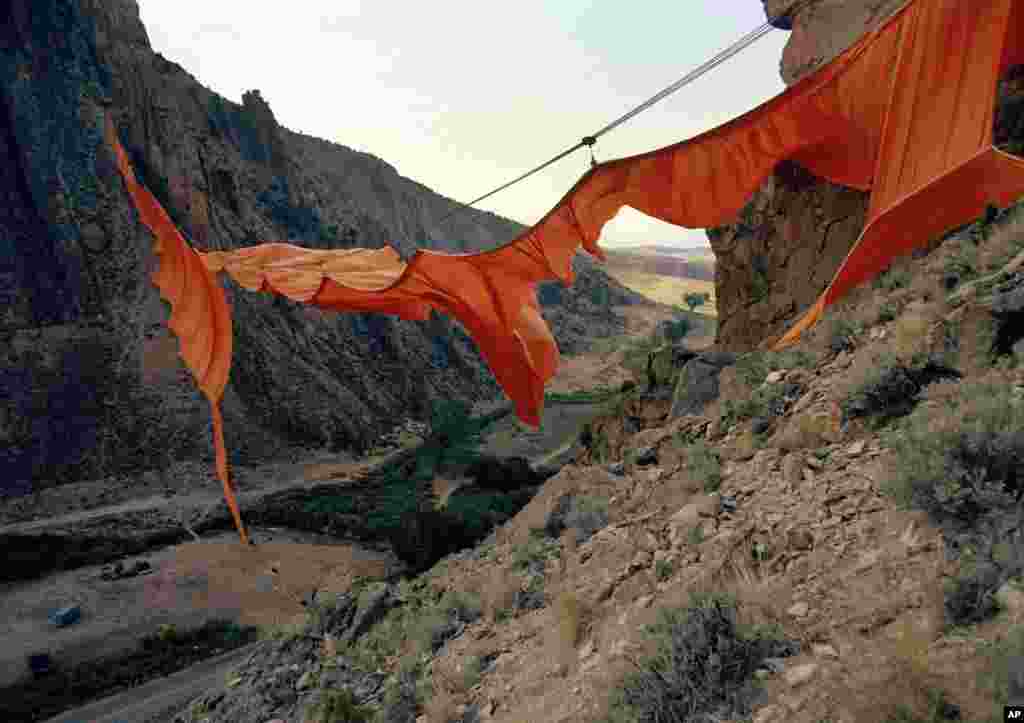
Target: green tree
{"x": 694, "y": 299}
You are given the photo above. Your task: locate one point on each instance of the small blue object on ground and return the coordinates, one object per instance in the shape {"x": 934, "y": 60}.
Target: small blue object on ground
{"x": 66, "y": 616}
{"x": 39, "y": 663}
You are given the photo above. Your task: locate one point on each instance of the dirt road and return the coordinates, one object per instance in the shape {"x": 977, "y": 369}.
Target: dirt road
{"x": 158, "y": 701}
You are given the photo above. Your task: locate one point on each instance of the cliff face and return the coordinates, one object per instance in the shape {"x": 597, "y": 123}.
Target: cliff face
{"x": 90, "y": 382}
{"x": 791, "y": 237}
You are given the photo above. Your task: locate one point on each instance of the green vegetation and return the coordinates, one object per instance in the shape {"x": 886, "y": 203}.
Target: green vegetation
{"x": 704, "y": 660}
{"x": 591, "y": 396}
{"x": 693, "y": 299}
{"x": 892, "y": 279}
{"x": 763, "y": 402}
{"x": 586, "y": 514}
{"x": 678, "y": 328}
{"x": 753, "y": 368}
{"x": 330, "y": 505}
{"x": 425, "y": 617}
{"x": 961, "y": 470}
{"x": 695, "y": 536}
{"x": 843, "y": 333}
{"x": 960, "y": 463}
{"x": 888, "y": 311}
{"x": 939, "y": 711}
{"x": 663, "y": 570}
{"x": 339, "y": 706}
{"x": 891, "y": 388}
{"x": 759, "y": 286}
{"x": 533, "y": 556}
{"x": 703, "y": 463}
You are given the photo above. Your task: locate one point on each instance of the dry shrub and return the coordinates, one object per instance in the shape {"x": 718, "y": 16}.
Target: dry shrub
{"x": 743, "y": 446}
{"x": 809, "y": 431}
{"x": 571, "y": 623}
{"x": 912, "y": 648}
{"x": 912, "y": 332}
{"x": 1003, "y": 245}
{"x": 570, "y": 619}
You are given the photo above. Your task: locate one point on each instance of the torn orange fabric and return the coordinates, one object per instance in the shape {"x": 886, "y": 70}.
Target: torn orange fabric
{"x": 200, "y": 316}
{"x": 906, "y": 112}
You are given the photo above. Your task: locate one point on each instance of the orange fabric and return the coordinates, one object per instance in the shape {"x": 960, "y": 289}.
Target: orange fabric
{"x": 200, "y": 316}
{"x": 906, "y": 112}
{"x": 491, "y": 293}
{"x": 933, "y": 176}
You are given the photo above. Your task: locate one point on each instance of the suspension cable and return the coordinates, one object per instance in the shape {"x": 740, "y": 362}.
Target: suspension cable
{"x": 716, "y": 60}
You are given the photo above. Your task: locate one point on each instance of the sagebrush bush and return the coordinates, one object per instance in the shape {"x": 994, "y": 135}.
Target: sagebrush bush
{"x": 888, "y": 311}
{"x": 583, "y": 513}
{"x": 892, "y": 279}
{"x": 703, "y": 662}
{"x": 961, "y": 461}
{"x": 400, "y": 699}
{"x": 964, "y": 461}
{"x": 533, "y": 556}
{"x": 940, "y": 710}
{"x": 703, "y": 463}
{"x": 339, "y": 706}
{"x": 842, "y": 334}
{"x": 891, "y": 388}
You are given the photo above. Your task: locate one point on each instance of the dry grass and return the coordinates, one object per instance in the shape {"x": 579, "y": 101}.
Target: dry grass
{"x": 571, "y": 616}
{"x": 666, "y": 289}
{"x": 910, "y": 334}
{"x": 809, "y": 431}
{"x": 570, "y": 620}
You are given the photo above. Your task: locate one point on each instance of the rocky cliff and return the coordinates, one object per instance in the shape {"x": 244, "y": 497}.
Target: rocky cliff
{"x": 796, "y": 230}
{"x": 90, "y": 382}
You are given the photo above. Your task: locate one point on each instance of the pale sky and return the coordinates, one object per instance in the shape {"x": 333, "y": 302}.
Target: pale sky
{"x": 463, "y": 96}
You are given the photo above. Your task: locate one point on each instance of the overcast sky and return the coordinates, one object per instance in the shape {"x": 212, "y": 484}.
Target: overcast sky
{"x": 463, "y": 96}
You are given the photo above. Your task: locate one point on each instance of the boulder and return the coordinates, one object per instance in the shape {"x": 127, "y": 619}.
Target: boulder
{"x": 66, "y": 616}
{"x": 698, "y": 383}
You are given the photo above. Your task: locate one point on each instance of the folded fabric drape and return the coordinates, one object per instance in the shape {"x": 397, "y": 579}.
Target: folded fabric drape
{"x": 905, "y": 113}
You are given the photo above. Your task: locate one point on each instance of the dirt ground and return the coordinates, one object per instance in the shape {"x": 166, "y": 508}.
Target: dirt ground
{"x": 216, "y": 577}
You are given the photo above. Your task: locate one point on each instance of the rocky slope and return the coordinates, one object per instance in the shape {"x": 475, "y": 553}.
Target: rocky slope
{"x": 796, "y": 223}
{"x": 832, "y": 533}
{"x": 90, "y": 383}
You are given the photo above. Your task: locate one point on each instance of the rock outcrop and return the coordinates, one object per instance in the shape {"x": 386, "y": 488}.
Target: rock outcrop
{"x": 789, "y": 240}
{"x": 90, "y": 383}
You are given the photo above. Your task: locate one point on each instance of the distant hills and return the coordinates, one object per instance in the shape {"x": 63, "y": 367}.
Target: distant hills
{"x": 665, "y": 276}
{"x": 681, "y": 263}
{"x": 666, "y": 250}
